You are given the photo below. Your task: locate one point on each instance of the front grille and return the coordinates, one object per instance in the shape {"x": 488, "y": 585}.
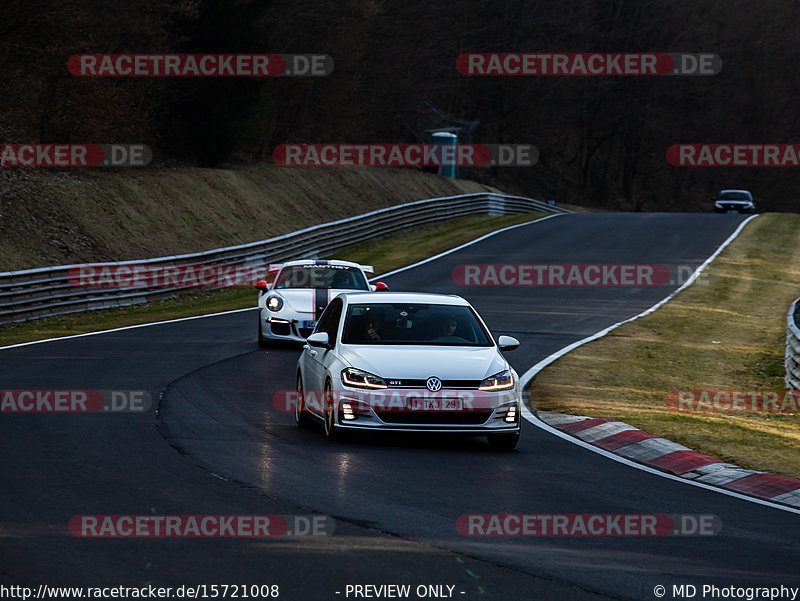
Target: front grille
{"x": 280, "y": 328}
{"x": 305, "y": 332}
{"x": 412, "y": 383}
{"x": 433, "y": 418}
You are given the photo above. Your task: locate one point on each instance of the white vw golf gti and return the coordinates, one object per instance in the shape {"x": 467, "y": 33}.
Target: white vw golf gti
{"x": 408, "y": 362}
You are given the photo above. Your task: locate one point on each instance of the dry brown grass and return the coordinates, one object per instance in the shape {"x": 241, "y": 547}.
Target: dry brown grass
{"x": 62, "y": 217}
{"x": 726, "y": 332}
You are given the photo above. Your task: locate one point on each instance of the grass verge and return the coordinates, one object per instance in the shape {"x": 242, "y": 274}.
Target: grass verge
{"x": 725, "y": 332}
{"x": 384, "y": 254}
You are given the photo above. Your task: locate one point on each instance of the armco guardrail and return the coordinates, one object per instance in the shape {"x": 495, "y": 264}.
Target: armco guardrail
{"x": 792, "y": 361}
{"x": 46, "y": 291}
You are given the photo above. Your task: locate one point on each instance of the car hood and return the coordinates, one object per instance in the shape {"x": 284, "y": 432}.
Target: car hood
{"x": 735, "y": 202}
{"x": 415, "y": 362}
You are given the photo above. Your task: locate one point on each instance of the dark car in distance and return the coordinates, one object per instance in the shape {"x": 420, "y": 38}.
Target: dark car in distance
{"x": 734, "y": 201}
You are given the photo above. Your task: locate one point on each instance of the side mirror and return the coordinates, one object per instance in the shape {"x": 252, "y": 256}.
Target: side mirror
{"x": 380, "y": 286}
{"x": 262, "y": 285}
{"x": 507, "y": 343}
{"x": 319, "y": 340}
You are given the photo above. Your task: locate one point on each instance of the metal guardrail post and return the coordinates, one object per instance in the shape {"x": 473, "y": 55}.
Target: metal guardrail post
{"x": 792, "y": 361}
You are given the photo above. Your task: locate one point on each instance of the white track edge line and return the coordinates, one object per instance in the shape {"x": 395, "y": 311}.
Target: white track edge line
{"x": 531, "y": 373}
{"x": 120, "y": 329}
{"x": 158, "y": 323}
{"x": 528, "y": 375}
{"x": 645, "y": 468}
{"x": 466, "y": 244}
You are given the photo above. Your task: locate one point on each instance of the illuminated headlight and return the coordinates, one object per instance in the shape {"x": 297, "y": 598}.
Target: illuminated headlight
{"x": 502, "y": 381}
{"x": 361, "y": 379}
{"x": 511, "y": 415}
{"x": 718, "y": 205}
{"x": 274, "y": 303}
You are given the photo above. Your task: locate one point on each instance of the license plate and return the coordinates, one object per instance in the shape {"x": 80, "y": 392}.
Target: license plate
{"x": 435, "y": 404}
{"x": 310, "y": 323}
{"x": 731, "y": 211}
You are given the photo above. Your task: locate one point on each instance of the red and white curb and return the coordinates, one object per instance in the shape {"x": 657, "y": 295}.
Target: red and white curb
{"x": 623, "y": 439}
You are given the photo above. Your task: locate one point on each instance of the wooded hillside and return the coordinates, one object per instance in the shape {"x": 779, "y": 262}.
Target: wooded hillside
{"x": 602, "y": 140}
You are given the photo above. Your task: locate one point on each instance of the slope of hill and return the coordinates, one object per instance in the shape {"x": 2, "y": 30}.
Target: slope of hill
{"x": 60, "y": 217}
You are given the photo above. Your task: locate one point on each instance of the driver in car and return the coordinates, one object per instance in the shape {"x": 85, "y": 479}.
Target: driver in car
{"x": 374, "y": 326}
{"x": 342, "y": 279}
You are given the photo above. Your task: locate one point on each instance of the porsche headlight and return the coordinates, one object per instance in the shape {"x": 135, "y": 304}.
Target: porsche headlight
{"x": 274, "y": 303}
{"x": 361, "y": 379}
{"x": 502, "y": 381}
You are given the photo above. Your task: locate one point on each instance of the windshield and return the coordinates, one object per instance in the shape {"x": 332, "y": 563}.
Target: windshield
{"x": 340, "y": 277}
{"x": 419, "y": 324}
{"x": 734, "y": 196}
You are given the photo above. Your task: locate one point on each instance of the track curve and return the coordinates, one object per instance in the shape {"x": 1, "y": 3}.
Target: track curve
{"x": 395, "y": 499}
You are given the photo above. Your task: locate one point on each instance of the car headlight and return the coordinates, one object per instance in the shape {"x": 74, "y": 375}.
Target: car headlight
{"x": 274, "y": 303}
{"x": 361, "y": 379}
{"x": 502, "y": 381}
{"x": 718, "y": 204}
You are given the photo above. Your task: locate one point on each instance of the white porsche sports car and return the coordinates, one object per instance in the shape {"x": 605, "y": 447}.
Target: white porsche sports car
{"x": 408, "y": 362}
{"x": 290, "y": 304}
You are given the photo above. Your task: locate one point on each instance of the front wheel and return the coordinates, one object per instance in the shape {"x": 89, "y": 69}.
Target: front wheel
{"x": 503, "y": 442}
{"x": 331, "y": 431}
{"x": 300, "y": 411}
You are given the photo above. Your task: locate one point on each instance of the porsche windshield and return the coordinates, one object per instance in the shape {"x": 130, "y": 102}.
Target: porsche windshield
{"x": 341, "y": 277}
{"x": 417, "y": 324}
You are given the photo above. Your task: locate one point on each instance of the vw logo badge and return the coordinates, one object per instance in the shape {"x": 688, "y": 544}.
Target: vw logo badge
{"x": 434, "y": 384}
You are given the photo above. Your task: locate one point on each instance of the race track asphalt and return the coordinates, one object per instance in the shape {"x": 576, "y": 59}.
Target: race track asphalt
{"x": 220, "y": 446}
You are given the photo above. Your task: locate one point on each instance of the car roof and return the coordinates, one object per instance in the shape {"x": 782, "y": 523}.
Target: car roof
{"x": 320, "y": 262}
{"x": 732, "y": 190}
{"x": 404, "y": 297}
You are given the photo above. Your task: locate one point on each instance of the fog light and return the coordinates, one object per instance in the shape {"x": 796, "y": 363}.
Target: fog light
{"x": 511, "y": 414}
{"x": 347, "y": 411}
